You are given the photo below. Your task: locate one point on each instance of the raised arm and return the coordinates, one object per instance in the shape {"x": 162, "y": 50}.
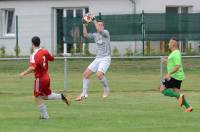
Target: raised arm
{"x": 100, "y": 27}
{"x": 85, "y": 32}
{"x": 96, "y": 24}
{"x": 87, "y": 35}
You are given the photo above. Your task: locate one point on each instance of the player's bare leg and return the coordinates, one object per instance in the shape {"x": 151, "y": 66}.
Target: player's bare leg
{"x": 42, "y": 108}
{"x": 104, "y": 82}
{"x": 57, "y": 96}
{"x": 162, "y": 87}
{"x": 86, "y": 80}
{"x": 176, "y": 90}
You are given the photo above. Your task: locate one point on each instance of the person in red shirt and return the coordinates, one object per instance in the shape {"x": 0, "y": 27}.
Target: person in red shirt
{"x": 39, "y": 65}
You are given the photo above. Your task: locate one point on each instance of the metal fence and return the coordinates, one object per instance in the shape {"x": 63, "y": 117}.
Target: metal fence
{"x": 189, "y": 64}
{"x": 131, "y": 34}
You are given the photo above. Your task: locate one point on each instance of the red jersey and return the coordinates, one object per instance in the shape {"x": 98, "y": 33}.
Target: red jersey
{"x": 39, "y": 60}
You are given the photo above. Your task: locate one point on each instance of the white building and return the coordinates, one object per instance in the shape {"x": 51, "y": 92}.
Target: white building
{"x": 39, "y": 17}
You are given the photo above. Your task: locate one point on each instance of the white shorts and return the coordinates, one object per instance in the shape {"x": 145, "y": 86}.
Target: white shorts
{"x": 100, "y": 64}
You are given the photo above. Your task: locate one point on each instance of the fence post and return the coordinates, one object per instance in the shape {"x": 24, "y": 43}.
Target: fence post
{"x": 100, "y": 16}
{"x": 161, "y": 69}
{"x": 143, "y": 32}
{"x": 17, "y": 38}
{"x": 65, "y": 50}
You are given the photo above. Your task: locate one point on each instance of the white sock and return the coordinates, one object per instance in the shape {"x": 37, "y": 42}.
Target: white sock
{"x": 104, "y": 82}
{"x": 43, "y": 111}
{"x": 85, "y": 86}
{"x": 54, "y": 96}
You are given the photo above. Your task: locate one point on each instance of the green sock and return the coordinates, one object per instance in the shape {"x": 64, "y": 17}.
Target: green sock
{"x": 185, "y": 103}
{"x": 169, "y": 92}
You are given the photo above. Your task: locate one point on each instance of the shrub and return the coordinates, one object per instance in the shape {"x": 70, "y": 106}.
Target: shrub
{"x": 115, "y": 52}
{"x": 129, "y": 51}
{"x": 2, "y": 51}
{"x": 17, "y": 50}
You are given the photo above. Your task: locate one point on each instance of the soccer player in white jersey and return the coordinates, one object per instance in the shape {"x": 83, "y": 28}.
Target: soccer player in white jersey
{"x": 103, "y": 58}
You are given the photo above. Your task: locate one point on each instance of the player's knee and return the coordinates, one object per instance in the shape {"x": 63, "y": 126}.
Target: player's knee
{"x": 86, "y": 75}
{"x": 176, "y": 90}
{"x": 39, "y": 100}
{"x": 162, "y": 88}
{"x": 99, "y": 75}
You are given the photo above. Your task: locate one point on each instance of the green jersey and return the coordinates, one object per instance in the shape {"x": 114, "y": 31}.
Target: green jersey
{"x": 173, "y": 60}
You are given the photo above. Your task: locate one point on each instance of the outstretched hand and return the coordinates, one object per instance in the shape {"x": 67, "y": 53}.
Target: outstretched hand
{"x": 92, "y": 16}
{"x": 21, "y": 75}
{"x": 167, "y": 77}
{"x": 87, "y": 18}
{"x": 164, "y": 59}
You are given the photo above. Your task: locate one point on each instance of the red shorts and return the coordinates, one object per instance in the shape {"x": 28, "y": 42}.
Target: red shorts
{"x": 42, "y": 86}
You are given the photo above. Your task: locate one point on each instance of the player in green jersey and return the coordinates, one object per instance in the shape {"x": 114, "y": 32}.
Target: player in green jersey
{"x": 175, "y": 75}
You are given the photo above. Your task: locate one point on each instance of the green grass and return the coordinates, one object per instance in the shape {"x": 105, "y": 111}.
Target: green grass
{"x": 134, "y": 104}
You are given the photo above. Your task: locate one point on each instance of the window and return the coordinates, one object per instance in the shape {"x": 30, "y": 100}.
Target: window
{"x": 172, "y": 10}
{"x": 70, "y": 13}
{"x": 8, "y": 23}
{"x": 73, "y": 32}
{"x": 178, "y": 9}
{"x": 79, "y": 13}
{"x": 184, "y": 10}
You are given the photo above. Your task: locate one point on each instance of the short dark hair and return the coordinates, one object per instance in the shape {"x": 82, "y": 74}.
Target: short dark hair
{"x": 36, "y": 41}
{"x": 176, "y": 39}
{"x": 101, "y": 21}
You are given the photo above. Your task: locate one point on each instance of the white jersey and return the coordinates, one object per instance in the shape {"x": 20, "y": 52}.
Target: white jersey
{"x": 102, "y": 39}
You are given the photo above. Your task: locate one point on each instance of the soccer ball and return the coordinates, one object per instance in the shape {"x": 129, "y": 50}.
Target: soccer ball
{"x": 87, "y": 18}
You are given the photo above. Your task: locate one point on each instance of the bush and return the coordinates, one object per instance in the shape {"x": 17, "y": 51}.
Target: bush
{"x": 129, "y": 51}
{"x": 115, "y": 52}
{"x": 31, "y": 50}
{"x": 2, "y": 51}
{"x": 17, "y": 50}
{"x": 189, "y": 48}
{"x": 148, "y": 48}
{"x": 87, "y": 52}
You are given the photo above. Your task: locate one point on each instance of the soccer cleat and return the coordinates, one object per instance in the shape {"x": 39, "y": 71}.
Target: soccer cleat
{"x": 105, "y": 95}
{"x": 190, "y": 109}
{"x": 180, "y": 100}
{"x": 81, "y": 97}
{"x": 65, "y": 99}
{"x": 43, "y": 118}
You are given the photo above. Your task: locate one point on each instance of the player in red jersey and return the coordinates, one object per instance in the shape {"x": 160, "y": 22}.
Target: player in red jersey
{"x": 39, "y": 65}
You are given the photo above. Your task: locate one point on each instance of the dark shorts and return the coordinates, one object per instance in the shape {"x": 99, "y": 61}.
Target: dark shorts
{"x": 173, "y": 83}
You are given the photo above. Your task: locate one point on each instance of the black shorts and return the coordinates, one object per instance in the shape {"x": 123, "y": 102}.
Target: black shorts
{"x": 173, "y": 83}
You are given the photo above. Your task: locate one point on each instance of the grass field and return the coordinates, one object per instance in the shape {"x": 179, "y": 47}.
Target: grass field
{"x": 134, "y": 104}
